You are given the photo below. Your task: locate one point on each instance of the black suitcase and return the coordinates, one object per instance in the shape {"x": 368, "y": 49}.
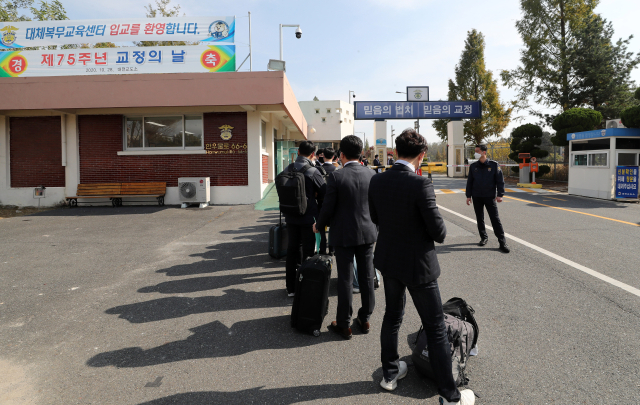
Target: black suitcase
{"x": 278, "y": 240}
{"x": 311, "y": 302}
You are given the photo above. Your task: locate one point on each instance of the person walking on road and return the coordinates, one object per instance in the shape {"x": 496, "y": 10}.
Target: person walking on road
{"x": 485, "y": 187}
{"x": 346, "y": 209}
{"x": 300, "y": 228}
{"x": 403, "y": 205}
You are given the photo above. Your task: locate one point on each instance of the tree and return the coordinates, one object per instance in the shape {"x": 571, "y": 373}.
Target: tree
{"x": 526, "y": 139}
{"x": 574, "y": 120}
{"x": 49, "y": 11}
{"x": 474, "y": 82}
{"x": 163, "y": 9}
{"x": 631, "y": 116}
{"x": 547, "y": 29}
{"x": 602, "y": 69}
{"x": 9, "y": 10}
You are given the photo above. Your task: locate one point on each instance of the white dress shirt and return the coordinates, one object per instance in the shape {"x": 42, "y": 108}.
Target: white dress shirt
{"x": 409, "y": 165}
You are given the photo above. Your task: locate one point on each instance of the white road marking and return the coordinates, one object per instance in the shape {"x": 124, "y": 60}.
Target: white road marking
{"x": 573, "y": 264}
{"x": 507, "y": 190}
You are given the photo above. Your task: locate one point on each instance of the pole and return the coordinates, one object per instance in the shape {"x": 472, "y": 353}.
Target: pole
{"x": 281, "y": 42}
{"x": 250, "y": 50}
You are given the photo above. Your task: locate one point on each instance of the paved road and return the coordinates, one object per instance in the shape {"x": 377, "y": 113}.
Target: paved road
{"x": 149, "y": 305}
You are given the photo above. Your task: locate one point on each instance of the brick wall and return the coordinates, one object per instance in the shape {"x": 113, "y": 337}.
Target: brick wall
{"x": 101, "y": 137}
{"x": 265, "y": 169}
{"x": 35, "y": 152}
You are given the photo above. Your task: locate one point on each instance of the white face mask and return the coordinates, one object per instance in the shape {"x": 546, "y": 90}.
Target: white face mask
{"x": 477, "y": 155}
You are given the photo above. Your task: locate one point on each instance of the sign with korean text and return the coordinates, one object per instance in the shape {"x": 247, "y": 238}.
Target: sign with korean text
{"x": 627, "y": 182}
{"x": 65, "y": 32}
{"x": 110, "y": 61}
{"x": 394, "y": 110}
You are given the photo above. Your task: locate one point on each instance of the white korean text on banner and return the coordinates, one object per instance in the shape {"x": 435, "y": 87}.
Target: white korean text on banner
{"x": 65, "y": 32}
{"x": 105, "y": 61}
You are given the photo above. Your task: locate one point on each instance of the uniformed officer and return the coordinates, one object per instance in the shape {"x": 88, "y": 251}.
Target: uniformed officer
{"x": 485, "y": 177}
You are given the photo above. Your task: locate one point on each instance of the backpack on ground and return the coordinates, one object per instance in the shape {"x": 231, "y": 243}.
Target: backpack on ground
{"x": 290, "y": 185}
{"x": 462, "y": 332}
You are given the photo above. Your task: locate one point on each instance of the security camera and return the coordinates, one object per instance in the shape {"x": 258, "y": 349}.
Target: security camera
{"x": 298, "y": 33}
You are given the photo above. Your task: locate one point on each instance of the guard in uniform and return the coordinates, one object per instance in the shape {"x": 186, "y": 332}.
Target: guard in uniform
{"x": 485, "y": 179}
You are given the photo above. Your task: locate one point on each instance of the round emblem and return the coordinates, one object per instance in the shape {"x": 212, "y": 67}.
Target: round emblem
{"x": 573, "y": 136}
{"x": 225, "y": 132}
{"x": 8, "y": 35}
{"x": 219, "y": 29}
{"x": 17, "y": 64}
{"x": 210, "y": 59}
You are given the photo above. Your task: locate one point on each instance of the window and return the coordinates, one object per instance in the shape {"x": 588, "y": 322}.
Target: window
{"x": 328, "y": 110}
{"x": 324, "y": 119}
{"x": 591, "y": 159}
{"x": 627, "y": 159}
{"x": 263, "y": 135}
{"x": 591, "y": 144}
{"x": 317, "y": 111}
{"x": 155, "y": 132}
{"x": 627, "y": 143}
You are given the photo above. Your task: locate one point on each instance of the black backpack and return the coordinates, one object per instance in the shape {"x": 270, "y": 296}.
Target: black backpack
{"x": 290, "y": 185}
{"x": 462, "y": 331}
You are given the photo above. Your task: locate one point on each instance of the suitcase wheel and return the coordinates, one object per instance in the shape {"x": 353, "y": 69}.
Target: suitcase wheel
{"x": 316, "y": 333}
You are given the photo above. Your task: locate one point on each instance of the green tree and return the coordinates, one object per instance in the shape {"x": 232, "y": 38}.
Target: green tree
{"x": 474, "y": 82}
{"x": 602, "y": 69}
{"x": 547, "y": 28}
{"x": 574, "y": 120}
{"x": 49, "y": 11}
{"x": 526, "y": 139}
{"x": 162, "y": 8}
{"x": 9, "y": 10}
{"x": 631, "y": 116}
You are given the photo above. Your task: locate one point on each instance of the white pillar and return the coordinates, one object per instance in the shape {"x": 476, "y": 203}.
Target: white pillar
{"x": 254, "y": 156}
{"x": 72, "y": 168}
{"x": 455, "y": 152}
{"x": 380, "y": 137}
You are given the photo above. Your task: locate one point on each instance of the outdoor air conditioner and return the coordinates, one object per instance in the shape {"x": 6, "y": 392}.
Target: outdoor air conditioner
{"x": 194, "y": 190}
{"x": 616, "y": 123}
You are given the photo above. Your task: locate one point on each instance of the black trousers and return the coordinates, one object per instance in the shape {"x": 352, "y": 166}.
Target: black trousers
{"x": 479, "y": 203}
{"x": 299, "y": 235}
{"x": 344, "y": 260}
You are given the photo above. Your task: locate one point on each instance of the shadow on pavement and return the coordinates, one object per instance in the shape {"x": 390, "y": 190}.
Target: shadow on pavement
{"x": 100, "y": 211}
{"x": 458, "y": 247}
{"x": 210, "y": 283}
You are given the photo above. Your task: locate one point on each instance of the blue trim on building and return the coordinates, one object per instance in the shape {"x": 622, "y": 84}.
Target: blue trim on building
{"x": 604, "y": 133}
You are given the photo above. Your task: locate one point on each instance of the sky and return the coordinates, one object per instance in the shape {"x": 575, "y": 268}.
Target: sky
{"x": 373, "y": 47}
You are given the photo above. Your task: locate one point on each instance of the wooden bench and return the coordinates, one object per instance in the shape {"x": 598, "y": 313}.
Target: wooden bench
{"x": 116, "y": 191}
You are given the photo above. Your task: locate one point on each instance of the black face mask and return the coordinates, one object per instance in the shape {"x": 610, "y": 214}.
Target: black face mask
{"x": 321, "y": 159}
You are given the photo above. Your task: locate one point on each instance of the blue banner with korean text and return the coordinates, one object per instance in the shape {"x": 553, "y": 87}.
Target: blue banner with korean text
{"x": 399, "y": 110}
{"x": 627, "y": 182}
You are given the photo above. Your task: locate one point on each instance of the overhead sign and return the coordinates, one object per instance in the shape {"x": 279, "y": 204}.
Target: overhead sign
{"x": 65, "y": 32}
{"x": 393, "y": 110}
{"x": 113, "y": 61}
{"x": 627, "y": 182}
{"x": 416, "y": 93}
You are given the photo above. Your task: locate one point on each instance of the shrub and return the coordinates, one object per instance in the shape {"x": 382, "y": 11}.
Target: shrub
{"x": 525, "y": 139}
{"x": 574, "y": 120}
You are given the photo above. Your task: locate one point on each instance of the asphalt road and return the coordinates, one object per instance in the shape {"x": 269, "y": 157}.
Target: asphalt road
{"x": 149, "y": 305}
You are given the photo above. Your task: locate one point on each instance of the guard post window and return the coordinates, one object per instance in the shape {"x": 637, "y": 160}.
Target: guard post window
{"x": 163, "y": 132}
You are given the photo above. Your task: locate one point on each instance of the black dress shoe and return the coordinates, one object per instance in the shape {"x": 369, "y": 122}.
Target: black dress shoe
{"x": 504, "y": 248}
{"x": 344, "y": 332}
{"x": 365, "y": 327}
{"x": 483, "y": 242}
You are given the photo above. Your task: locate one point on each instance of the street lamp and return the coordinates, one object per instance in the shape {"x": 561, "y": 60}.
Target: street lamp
{"x": 401, "y": 92}
{"x": 363, "y": 137}
{"x": 354, "y": 95}
{"x": 298, "y": 34}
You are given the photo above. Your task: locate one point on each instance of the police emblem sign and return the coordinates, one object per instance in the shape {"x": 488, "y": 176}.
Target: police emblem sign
{"x": 417, "y": 93}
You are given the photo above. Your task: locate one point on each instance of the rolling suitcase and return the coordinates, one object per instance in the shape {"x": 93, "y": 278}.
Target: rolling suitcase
{"x": 278, "y": 240}
{"x": 311, "y": 302}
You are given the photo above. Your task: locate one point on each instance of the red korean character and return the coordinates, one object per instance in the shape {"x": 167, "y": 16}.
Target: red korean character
{"x": 114, "y": 29}
{"x": 47, "y": 59}
{"x": 84, "y": 57}
{"x": 60, "y": 57}
{"x": 125, "y": 29}
{"x": 100, "y": 58}
{"x": 160, "y": 28}
{"x": 71, "y": 59}
{"x": 135, "y": 29}
{"x": 148, "y": 29}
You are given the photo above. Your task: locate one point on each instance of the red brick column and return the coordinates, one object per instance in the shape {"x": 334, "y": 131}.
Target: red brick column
{"x": 265, "y": 169}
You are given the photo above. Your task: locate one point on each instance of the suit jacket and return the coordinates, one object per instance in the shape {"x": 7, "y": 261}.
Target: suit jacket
{"x": 346, "y": 207}
{"x": 315, "y": 187}
{"x": 403, "y": 205}
{"x": 329, "y": 167}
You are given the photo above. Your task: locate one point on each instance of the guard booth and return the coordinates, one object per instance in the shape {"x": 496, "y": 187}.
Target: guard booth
{"x": 604, "y": 163}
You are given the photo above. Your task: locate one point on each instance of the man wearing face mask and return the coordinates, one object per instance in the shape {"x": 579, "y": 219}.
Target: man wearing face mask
{"x": 485, "y": 186}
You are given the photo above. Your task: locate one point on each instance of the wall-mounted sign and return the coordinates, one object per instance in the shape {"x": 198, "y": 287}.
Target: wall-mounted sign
{"x": 113, "y": 61}
{"x": 381, "y": 142}
{"x": 225, "y": 132}
{"x": 417, "y": 93}
{"x": 393, "y": 110}
{"x": 627, "y": 182}
{"x": 65, "y": 32}
{"x": 225, "y": 148}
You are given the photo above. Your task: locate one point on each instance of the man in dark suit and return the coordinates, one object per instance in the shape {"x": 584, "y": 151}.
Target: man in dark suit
{"x": 346, "y": 209}
{"x": 300, "y": 228}
{"x": 329, "y": 157}
{"x": 376, "y": 161}
{"x": 403, "y": 205}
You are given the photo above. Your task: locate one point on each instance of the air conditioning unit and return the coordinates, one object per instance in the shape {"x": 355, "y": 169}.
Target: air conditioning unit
{"x": 193, "y": 190}
{"x": 616, "y": 123}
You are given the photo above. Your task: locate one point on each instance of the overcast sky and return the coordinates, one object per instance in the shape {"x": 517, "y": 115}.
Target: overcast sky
{"x": 374, "y": 47}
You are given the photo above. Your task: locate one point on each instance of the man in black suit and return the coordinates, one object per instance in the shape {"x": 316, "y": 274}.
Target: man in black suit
{"x": 403, "y": 205}
{"x": 329, "y": 156}
{"x": 346, "y": 209}
{"x": 300, "y": 228}
{"x": 376, "y": 161}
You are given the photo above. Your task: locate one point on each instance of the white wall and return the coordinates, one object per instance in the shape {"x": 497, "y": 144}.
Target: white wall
{"x": 332, "y": 129}
{"x": 596, "y": 182}
{"x": 455, "y": 140}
